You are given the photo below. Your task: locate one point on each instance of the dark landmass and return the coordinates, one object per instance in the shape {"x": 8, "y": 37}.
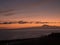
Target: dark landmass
{"x": 51, "y": 39}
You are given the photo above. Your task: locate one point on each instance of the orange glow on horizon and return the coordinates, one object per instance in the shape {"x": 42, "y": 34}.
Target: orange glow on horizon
{"x": 14, "y": 26}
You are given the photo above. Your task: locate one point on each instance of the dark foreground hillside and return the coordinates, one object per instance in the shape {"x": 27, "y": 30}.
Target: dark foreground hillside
{"x": 51, "y": 39}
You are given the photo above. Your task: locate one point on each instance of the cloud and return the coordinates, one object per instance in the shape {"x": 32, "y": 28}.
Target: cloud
{"x": 6, "y": 23}
{"x": 41, "y": 22}
{"x": 26, "y": 22}
{"x": 37, "y": 22}
{"x": 6, "y": 11}
{"x": 23, "y": 22}
{"x": 9, "y": 14}
{"x": 19, "y": 22}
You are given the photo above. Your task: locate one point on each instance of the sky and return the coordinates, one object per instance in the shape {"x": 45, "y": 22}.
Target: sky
{"x": 30, "y": 10}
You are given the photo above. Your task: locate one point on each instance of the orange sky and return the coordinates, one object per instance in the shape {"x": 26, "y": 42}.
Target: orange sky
{"x": 14, "y": 26}
{"x": 29, "y": 10}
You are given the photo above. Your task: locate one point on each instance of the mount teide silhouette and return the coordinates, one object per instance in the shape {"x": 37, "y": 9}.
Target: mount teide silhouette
{"x": 42, "y": 27}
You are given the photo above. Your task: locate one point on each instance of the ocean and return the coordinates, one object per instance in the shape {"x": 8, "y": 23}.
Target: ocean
{"x": 25, "y": 33}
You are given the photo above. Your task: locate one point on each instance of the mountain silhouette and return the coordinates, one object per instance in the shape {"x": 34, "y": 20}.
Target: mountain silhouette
{"x": 41, "y": 27}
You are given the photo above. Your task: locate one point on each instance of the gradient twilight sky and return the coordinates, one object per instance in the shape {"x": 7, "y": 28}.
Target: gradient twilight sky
{"x": 30, "y": 10}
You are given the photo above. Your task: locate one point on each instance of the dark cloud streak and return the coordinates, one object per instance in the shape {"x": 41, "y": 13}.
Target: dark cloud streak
{"x": 26, "y": 22}
{"x": 9, "y": 14}
{"x": 6, "y": 11}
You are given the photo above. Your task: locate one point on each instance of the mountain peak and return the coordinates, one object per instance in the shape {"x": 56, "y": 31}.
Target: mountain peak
{"x": 45, "y": 26}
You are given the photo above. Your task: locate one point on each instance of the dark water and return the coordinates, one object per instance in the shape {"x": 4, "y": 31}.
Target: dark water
{"x": 22, "y": 34}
